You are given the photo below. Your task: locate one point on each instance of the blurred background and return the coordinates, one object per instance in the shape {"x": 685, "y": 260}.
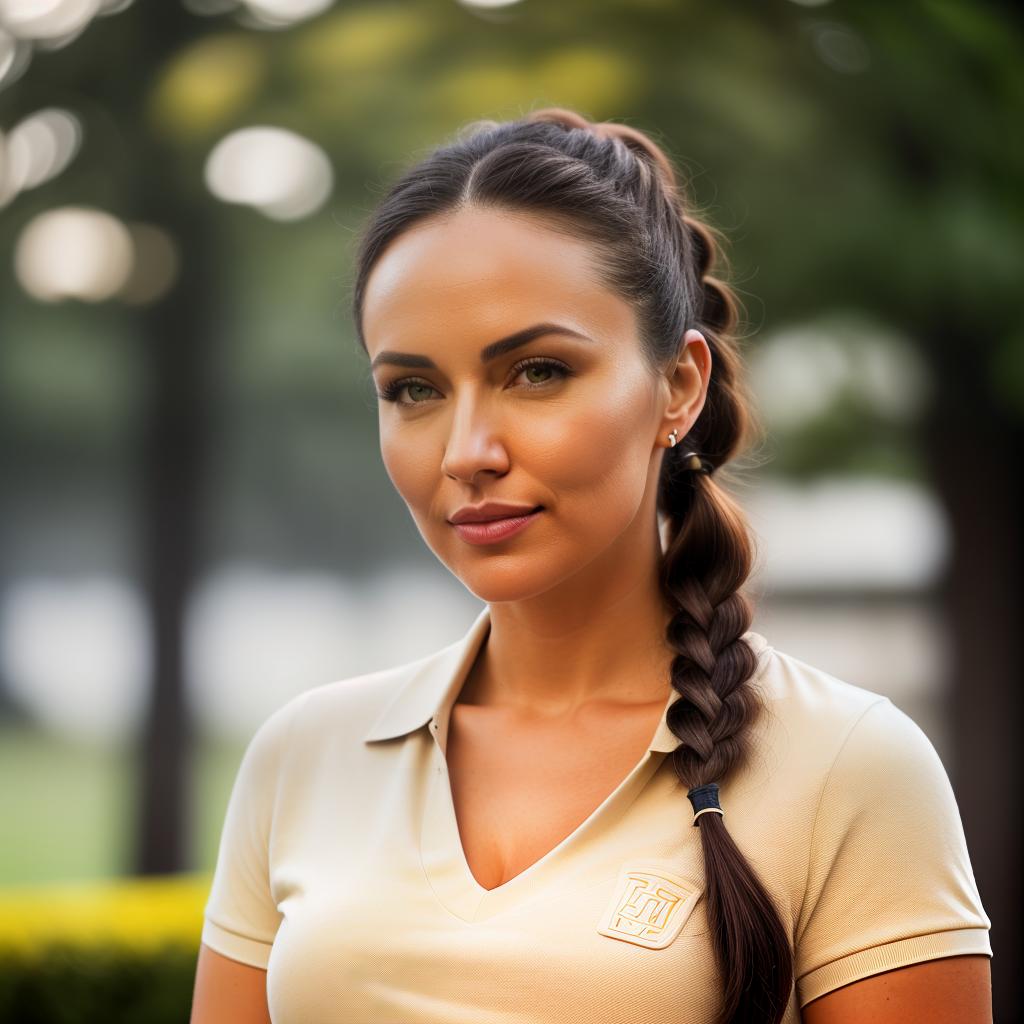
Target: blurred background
{"x": 188, "y": 431}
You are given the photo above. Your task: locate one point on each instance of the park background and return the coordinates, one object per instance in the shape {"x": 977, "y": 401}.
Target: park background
{"x": 195, "y": 523}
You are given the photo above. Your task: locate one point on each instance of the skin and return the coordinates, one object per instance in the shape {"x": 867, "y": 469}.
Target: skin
{"x": 576, "y": 613}
{"x": 577, "y": 620}
{"x": 948, "y": 990}
{"x": 227, "y": 991}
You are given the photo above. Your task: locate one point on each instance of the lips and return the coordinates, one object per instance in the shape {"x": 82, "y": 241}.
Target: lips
{"x": 487, "y": 514}
{"x": 492, "y": 531}
{"x": 505, "y": 515}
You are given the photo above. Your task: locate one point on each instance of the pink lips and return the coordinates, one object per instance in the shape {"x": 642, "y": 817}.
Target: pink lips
{"x": 493, "y": 530}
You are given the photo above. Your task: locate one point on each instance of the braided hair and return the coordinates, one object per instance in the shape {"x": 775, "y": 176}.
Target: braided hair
{"x": 610, "y": 184}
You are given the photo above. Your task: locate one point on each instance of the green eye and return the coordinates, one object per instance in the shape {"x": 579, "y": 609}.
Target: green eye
{"x": 540, "y": 363}
{"x": 422, "y": 387}
{"x": 390, "y": 392}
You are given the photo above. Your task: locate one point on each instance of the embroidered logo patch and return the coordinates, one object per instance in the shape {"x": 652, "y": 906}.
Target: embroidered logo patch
{"x": 649, "y": 907}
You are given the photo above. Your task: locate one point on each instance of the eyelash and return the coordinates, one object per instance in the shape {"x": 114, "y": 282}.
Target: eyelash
{"x": 391, "y": 390}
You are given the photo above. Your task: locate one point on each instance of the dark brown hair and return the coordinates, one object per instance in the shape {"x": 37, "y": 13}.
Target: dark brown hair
{"x": 611, "y": 185}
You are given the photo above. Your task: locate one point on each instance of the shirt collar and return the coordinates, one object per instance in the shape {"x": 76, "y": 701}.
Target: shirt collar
{"x": 433, "y": 686}
{"x": 428, "y": 695}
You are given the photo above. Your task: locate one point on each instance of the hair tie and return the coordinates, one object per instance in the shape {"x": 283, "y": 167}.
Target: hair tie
{"x": 705, "y": 798}
{"x": 691, "y": 460}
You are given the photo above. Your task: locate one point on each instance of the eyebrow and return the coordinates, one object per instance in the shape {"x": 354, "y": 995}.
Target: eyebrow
{"x": 487, "y": 353}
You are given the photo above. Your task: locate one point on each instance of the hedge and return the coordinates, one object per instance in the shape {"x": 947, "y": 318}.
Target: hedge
{"x": 111, "y": 952}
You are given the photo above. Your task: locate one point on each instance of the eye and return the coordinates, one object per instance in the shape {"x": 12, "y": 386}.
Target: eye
{"x": 540, "y": 362}
{"x": 390, "y": 391}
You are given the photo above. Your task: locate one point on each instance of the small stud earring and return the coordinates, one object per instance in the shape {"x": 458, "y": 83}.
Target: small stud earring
{"x": 672, "y": 439}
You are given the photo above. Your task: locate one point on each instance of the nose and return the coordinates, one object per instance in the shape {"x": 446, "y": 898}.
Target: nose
{"x": 474, "y": 443}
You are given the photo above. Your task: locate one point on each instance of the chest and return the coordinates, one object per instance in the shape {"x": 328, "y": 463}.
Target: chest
{"x": 382, "y": 916}
{"x": 519, "y": 789}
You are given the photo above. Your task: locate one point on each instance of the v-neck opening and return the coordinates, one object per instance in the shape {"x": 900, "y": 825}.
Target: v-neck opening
{"x": 449, "y": 797}
{"x": 444, "y": 855}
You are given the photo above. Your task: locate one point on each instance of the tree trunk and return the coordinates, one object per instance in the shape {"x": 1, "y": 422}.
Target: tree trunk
{"x": 179, "y": 334}
{"x": 974, "y": 453}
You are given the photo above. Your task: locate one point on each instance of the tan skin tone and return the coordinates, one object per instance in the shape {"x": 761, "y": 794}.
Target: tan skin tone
{"x": 576, "y": 594}
{"x": 228, "y": 992}
{"x": 576, "y": 649}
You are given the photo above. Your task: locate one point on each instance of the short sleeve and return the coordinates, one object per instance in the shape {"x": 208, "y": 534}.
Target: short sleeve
{"x": 241, "y": 917}
{"x": 890, "y": 881}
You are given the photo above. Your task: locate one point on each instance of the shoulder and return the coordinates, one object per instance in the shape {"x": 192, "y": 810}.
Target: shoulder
{"x": 837, "y": 743}
{"x": 826, "y": 741}
{"x": 874, "y": 853}
{"x": 340, "y": 712}
{"x": 346, "y": 716}
{"x": 817, "y": 711}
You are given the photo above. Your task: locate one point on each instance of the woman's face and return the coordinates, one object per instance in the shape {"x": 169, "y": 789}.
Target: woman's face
{"x": 573, "y": 422}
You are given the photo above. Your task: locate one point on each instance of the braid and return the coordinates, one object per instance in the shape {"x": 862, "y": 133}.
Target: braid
{"x": 612, "y": 186}
{"x": 720, "y": 311}
{"x": 707, "y": 560}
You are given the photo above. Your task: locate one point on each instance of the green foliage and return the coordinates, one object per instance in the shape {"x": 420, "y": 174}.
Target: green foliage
{"x": 858, "y": 156}
{"x": 72, "y": 984}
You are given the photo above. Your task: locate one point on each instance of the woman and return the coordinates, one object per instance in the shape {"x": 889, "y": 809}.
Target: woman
{"x": 500, "y": 831}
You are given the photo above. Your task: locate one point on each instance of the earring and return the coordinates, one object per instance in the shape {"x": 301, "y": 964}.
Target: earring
{"x": 672, "y": 439}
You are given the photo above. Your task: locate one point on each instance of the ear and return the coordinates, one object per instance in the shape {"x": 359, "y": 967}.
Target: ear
{"x": 687, "y": 385}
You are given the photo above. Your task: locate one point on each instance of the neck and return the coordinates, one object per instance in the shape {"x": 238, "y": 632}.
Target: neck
{"x": 557, "y": 653}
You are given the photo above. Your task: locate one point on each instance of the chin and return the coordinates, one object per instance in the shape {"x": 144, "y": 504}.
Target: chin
{"x": 503, "y": 578}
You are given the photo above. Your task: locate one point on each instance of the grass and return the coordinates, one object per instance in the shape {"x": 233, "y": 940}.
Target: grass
{"x": 67, "y": 808}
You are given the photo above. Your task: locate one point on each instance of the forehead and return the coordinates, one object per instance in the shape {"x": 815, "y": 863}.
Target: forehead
{"x": 481, "y": 271}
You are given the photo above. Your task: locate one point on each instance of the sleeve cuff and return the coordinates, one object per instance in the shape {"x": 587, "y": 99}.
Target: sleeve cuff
{"x": 902, "y": 953}
{"x": 234, "y": 946}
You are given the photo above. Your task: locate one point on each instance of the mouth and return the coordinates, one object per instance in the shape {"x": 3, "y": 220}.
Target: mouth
{"x": 490, "y": 531}
{"x": 511, "y": 515}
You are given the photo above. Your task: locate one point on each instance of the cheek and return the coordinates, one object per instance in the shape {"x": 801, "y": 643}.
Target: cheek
{"x": 411, "y": 472}
{"x": 597, "y": 448}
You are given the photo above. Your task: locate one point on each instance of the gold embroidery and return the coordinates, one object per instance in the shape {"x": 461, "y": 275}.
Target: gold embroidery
{"x": 649, "y": 907}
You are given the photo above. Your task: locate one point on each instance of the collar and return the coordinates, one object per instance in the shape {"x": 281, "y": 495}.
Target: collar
{"x": 433, "y": 686}
{"x": 437, "y": 680}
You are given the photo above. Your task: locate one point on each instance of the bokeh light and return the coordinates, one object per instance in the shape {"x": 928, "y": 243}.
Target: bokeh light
{"x": 90, "y": 685}
{"x": 274, "y": 170}
{"x": 73, "y": 252}
{"x": 52, "y": 20}
{"x": 286, "y": 12}
{"x": 37, "y": 149}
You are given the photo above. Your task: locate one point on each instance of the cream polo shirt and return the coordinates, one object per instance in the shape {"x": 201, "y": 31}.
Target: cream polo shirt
{"x": 341, "y": 871}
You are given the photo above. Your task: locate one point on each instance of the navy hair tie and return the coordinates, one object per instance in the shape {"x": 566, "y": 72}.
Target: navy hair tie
{"x": 705, "y": 798}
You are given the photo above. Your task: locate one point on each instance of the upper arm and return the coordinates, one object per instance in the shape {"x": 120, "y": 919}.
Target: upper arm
{"x": 241, "y": 916}
{"x": 227, "y": 991}
{"x": 951, "y": 990}
{"x": 889, "y": 883}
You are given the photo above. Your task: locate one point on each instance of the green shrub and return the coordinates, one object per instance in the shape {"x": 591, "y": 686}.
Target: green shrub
{"x": 67, "y": 983}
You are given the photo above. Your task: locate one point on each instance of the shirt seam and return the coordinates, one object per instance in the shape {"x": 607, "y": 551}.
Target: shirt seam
{"x": 817, "y": 812}
{"x": 220, "y": 926}
{"x": 936, "y": 943}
